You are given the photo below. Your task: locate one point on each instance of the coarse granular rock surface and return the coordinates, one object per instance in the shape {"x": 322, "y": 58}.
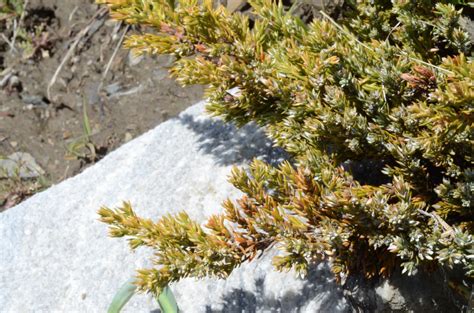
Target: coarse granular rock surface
{"x": 55, "y": 256}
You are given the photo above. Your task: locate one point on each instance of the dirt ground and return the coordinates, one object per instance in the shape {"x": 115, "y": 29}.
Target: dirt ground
{"x": 117, "y": 95}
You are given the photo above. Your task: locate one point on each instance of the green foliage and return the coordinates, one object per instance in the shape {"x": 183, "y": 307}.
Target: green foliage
{"x": 390, "y": 84}
{"x": 10, "y": 13}
{"x": 83, "y": 147}
{"x": 166, "y": 299}
{"x": 9, "y": 8}
{"x": 122, "y": 296}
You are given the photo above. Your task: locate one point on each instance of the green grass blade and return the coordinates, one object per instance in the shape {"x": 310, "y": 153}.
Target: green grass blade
{"x": 167, "y": 301}
{"x": 85, "y": 121}
{"x": 122, "y": 296}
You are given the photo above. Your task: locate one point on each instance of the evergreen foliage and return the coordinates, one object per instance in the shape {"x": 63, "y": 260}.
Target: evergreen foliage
{"x": 387, "y": 88}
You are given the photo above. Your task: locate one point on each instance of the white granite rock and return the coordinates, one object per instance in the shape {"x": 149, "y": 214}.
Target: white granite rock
{"x": 55, "y": 256}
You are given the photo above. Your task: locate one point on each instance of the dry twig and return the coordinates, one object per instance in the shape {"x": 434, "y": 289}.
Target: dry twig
{"x": 18, "y": 26}
{"x": 98, "y": 15}
{"x": 114, "y": 54}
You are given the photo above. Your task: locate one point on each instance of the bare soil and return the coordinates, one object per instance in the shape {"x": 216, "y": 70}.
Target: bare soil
{"x": 134, "y": 96}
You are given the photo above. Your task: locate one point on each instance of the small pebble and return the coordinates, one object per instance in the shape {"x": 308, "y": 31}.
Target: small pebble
{"x": 113, "y": 88}
{"x": 128, "y": 137}
{"x": 134, "y": 59}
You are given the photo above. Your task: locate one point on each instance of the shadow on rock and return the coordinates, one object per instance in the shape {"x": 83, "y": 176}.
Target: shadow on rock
{"x": 423, "y": 292}
{"x": 230, "y": 145}
{"x": 320, "y": 293}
